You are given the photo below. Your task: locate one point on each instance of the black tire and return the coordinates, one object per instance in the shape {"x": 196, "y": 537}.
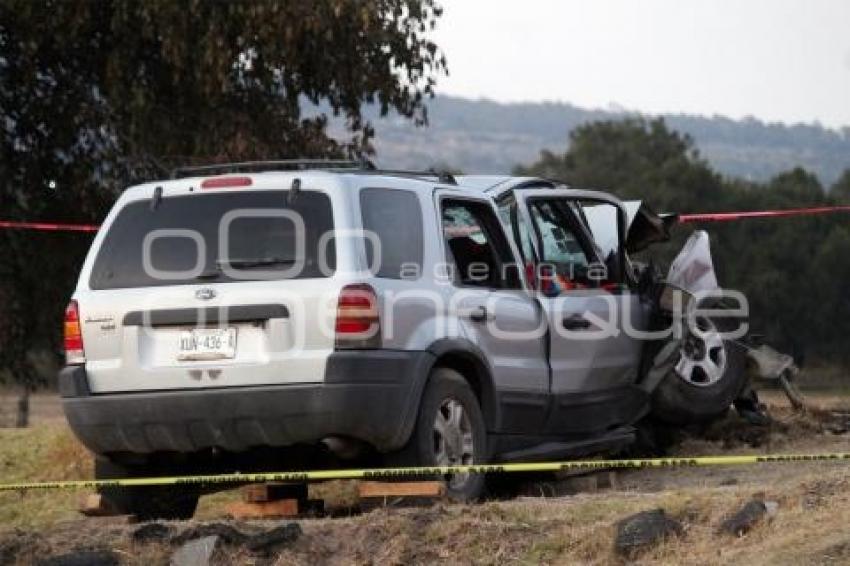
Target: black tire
{"x": 680, "y": 402}
{"x": 445, "y": 386}
{"x": 149, "y": 502}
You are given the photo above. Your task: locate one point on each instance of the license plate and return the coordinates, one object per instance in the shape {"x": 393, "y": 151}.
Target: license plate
{"x": 207, "y": 344}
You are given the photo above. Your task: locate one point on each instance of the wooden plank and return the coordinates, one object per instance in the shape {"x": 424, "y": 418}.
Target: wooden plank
{"x": 96, "y": 508}
{"x": 263, "y": 510}
{"x": 264, "y": 492}
{"x": 94, "y": 505}
{"x": 370, "y": 489}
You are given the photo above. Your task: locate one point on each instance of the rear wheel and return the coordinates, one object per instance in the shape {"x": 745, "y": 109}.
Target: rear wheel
{"x": 449, "y": 431}
{"x": 146, "y": 502}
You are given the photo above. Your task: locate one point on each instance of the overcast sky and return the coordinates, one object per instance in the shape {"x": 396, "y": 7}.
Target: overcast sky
{"x": 777, "y": 60}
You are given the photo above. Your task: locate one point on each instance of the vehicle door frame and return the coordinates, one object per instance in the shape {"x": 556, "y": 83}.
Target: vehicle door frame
{"x": 584, "y": 409}
{"x": 521, "y": 411}
{"x": 523, "y": 196}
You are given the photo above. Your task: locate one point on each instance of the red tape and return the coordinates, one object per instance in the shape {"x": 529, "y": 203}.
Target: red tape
{"x": 49, "y": 227}
{"x": 683, "y": 218}
{"x": 727, "y": 216}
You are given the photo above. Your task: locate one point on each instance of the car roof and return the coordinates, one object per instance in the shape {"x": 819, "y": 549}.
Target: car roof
{"x": 303, "y": 167}
{"x": 492, "y": 185}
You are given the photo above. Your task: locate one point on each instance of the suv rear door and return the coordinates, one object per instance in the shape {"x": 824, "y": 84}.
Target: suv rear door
{"x": 493, "y": 311}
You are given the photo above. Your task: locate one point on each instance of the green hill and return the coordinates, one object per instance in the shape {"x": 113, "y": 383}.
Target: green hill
{"x": 481, "y": 136}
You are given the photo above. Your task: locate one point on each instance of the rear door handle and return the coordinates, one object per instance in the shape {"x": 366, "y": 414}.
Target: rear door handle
{"x": 576, "y": 322}
{"x": 479, "y": 314}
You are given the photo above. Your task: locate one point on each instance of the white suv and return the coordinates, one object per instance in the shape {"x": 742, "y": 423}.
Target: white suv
{"x": 280, "y": 311}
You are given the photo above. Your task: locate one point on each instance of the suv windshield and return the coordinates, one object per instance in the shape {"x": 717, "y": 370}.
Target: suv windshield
{"x": 182, "y": 238}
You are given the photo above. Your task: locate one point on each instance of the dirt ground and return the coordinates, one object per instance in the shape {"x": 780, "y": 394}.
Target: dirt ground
{"x": 811, "y": 524}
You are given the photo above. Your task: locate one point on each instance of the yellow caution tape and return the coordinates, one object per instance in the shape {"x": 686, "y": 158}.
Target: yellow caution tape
{"x": 401, "y": 473}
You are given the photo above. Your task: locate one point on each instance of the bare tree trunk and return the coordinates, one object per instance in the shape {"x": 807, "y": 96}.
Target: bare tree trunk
{"x": 23, "y": 420}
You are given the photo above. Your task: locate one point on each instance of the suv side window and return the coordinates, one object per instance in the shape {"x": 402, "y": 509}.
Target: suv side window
{"x": 515, "y": 223}
{"x": 560, "y": 246}
{"x": 601, "y": 220}
{"x": 477, "y": 244}
{"x": 395, "y": 217}
{"x": 559, "y": 243}
{"x": 569, "y": 256}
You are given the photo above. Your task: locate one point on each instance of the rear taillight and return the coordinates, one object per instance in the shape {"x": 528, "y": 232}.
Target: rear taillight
{"x": 74, "y": 354}
{"x": 358, "y": 324}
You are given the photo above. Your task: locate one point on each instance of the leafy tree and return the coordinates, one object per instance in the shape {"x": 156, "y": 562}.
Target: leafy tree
{"x": 829, "y": 280}
{"x": 841, "y": 189}
{"x": 792, "y": 188}
{"x": 96, "y": 95}
{"x": 637, "y": 159}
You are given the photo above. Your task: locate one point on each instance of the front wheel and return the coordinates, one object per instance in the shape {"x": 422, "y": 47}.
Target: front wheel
{"x": 449, "y": 431}
{"x": 708, "y": 376}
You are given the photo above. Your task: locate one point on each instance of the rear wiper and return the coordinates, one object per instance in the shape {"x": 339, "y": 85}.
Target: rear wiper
{"x": 156, "y": 198}
{"x": 248, "y": 263}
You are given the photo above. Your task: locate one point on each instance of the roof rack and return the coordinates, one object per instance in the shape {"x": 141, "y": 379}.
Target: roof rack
{"x": 271, "y": 165}
{"x": 441, "y": 176}
{"x": 362, "y": 166}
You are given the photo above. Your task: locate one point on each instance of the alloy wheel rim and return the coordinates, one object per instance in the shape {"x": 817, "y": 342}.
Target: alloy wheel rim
{"x": 702, "y": 360}
{"x": 453, "y": 441}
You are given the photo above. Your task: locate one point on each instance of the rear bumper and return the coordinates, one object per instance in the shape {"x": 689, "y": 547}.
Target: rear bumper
{"x": 371, "y": 396}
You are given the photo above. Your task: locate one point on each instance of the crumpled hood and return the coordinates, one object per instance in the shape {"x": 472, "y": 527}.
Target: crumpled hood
{"x": 645, "y": 226}
{"x": 693, "y": 269}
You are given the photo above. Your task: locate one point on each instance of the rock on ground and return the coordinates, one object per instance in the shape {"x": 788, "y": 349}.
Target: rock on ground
{"x": 82, "y": 558}
{"x": 151, "y": 532}
{"x": 266, "y": 542}
{"x": 263, "y": 543}
{"x": 642, "y": 530}
{"x": 198, "y": 552}
{"x": 747, "y": 517}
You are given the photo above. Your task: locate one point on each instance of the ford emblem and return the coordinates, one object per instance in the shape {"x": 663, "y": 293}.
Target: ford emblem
{"x": 205, "y": 294}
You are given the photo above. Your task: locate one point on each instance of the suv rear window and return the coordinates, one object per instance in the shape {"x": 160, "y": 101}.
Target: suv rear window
{"x": 259, "y": 247}
{"x": 395, "y": 218}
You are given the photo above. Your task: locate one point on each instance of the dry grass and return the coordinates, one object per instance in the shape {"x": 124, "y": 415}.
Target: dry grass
{"x": 40, "y": 453}
{"x": 811, "y": 527}
{"x": 825, "y": 377}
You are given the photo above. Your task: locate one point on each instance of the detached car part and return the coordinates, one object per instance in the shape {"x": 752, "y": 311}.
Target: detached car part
{"x": 768, "y": 364}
